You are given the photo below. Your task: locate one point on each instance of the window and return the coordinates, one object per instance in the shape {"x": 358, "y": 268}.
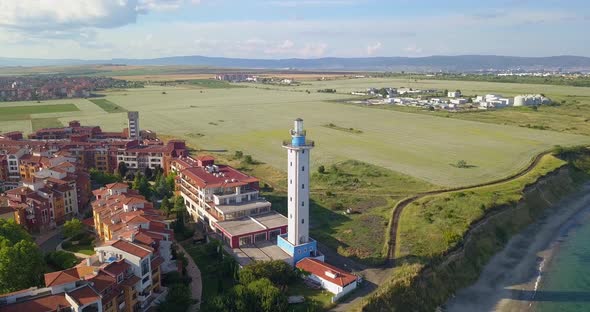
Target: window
{"x": 303, "y": 186}
{"x": 290, "y": 199}
{"x": 291, "y": 164}
{"x": 303, "y": 152}
{"x": 302, "y": 221}
{"x": 302, "y": 204}
{"x": 290, "y": 181}
{"x": 145, "y": 267}
{"x": 145, "y": 279}
{"x": 302, "y": 168}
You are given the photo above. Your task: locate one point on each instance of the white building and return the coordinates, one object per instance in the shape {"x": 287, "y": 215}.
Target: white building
{"x": 454, "y": 94}
{"x": 458, "y": 101}
{"x": 531, "y": 99}
{"x": 331, "y": 278}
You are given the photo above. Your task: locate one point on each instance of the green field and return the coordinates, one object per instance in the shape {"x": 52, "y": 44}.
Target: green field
{"x": 8, "y": 112}
{"x": 39, "y": 123}
{"x": 433, "y": 224}
{"x": 108, "y": 106}
{"x": 211, "y": 84}
{"x": 256, "y": 120}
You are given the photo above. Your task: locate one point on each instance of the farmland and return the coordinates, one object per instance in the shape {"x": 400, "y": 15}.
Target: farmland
{"x": 256, "y": 120}
{"x": 8, "y": 113}
{"x": 108, "y": 106}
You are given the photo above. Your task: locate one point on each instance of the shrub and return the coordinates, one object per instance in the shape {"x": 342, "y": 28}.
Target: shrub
{"x": 61, "y": 260}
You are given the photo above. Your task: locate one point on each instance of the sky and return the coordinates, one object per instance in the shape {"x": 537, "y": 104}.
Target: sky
{"x": 273, "y": 29}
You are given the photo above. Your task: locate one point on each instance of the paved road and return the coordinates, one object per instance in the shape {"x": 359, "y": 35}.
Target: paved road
{"x": 50, "y": 242}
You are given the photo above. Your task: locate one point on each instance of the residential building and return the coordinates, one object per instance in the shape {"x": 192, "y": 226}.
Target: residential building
{"x": 227, "y": 200}
{"x": 133, "y": 125}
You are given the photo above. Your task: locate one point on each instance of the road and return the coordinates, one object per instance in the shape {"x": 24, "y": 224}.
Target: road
{"x": 49, "y": 241}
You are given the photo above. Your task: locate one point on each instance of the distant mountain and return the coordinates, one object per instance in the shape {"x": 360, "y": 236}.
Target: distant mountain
{"x": 459, "y": 63}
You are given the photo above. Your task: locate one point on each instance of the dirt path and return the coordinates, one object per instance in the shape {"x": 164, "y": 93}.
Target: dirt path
{"x": 375, "y": 276}
{"x": 398, "y": 210}
{"x": 195, "y": 274}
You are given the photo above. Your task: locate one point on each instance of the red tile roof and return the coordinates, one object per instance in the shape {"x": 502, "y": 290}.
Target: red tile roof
{"x": 84, "y": 295}
{"x": 225, "y": 176}
{"x": 43, "y": 304}
{"x": 116, "y": 185}
{"x": 131, "y": 248}
{"x": 319, "y": 269}
{"x": 67, "y": 276}
{"x": 117, "y": 267}
{"x": 102, "y": 281}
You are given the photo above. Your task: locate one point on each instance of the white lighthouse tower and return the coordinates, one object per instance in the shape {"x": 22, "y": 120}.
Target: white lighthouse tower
{"x": 298, "y": 168}
{"x": 297, "y": 242}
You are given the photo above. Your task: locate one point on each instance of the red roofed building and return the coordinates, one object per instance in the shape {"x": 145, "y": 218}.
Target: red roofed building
{"x": 227, "y": 200}
{"x": 331, "y": 278}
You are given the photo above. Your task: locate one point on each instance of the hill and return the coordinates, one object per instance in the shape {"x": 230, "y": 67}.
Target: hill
{"x": 459, "y": 63}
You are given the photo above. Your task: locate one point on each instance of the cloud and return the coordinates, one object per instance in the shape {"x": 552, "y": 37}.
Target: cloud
{"x": 312, "y": 3}
{"x": 372, "y": 48}
{"x": 35, "y": 15}
{"x": 413, "y": 49}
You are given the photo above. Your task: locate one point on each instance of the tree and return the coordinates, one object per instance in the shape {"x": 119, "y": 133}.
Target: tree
{"x": 238, "y": 154}
{"x": 268, "y": 297}
{"x": 13, "y": 232}
{"x": 122, "y": 169}
{"x": 321, "y": 169}
{"x": 461, "y": 164}
{"x": 141, "y": 184}
{"x": 248, "y": 159}
{"x": 104, "y": 177}
{"x": 61, "y": 260}
{"x": 165, "y": 206}
{"x": 21, "y": 265}
{"x": 179, "y": 208}
{"x": 148, "y": 173}
{"x": 178, "y": 299}
{"x": 73, "y": 228}
{"x": 277, "y": 271}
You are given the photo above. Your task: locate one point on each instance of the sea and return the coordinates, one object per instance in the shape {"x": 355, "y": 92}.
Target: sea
{"x": 544, "y": 268}
{"x": 565, "y": 282}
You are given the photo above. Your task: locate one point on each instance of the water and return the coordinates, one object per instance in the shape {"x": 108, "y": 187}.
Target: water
{"x": 546, "y": 267}
{"x": 565, "y": 285}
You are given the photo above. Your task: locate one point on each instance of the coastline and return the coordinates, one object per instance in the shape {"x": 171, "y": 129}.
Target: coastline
{"x": 512, "y": 277}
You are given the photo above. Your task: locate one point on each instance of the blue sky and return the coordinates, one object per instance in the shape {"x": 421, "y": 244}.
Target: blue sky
{"x": 102, "y": 29}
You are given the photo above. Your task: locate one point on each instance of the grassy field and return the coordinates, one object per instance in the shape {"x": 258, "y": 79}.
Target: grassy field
{"x": 211, "y": 84}
{"x": 433, "y": 224}
{"x": 351, "y": 204}
{"x": 9, "y": 112}
{"x": 314, "y": 299}
{"x": 39, "y": 123}
{"x": 256, "y": 120}
{"x": 108, "y": 106}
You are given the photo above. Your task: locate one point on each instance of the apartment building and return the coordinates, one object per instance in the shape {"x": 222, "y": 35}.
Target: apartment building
{"x": 139, "y": 157}
{"x": 227, "y": 200}
{"x": 123, "y": 276}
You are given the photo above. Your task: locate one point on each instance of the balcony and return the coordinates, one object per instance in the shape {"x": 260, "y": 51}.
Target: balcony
{"x": 304, "y": 144}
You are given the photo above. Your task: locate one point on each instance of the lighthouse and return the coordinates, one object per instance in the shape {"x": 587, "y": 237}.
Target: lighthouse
{"x": 297, "y": 242}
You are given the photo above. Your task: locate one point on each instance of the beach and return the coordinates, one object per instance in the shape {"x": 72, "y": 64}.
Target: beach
{"x": 512, "y": 278}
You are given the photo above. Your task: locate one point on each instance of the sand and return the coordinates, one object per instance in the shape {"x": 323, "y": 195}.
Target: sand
{"x": 509, "y": 281}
